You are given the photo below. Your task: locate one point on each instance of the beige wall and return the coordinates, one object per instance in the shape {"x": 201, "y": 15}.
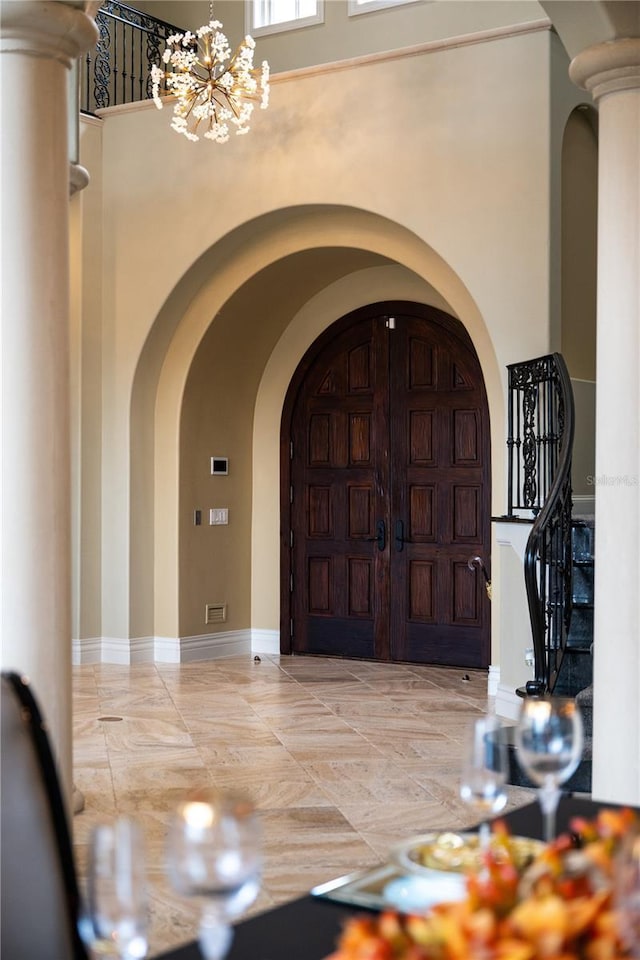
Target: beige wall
{"x": 584, "y": 447}
{"x": 579, "y": 242}
{"x": 342, "y": 37}
{"x": 221, "y": 263}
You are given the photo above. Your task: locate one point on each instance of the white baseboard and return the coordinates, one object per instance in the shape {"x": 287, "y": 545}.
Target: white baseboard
{"x": 166, "y": 649}
{"x": 265, "y": 641}
{"x": 87, "y": 650}
{"x": 493, "y": 680}
{"x": 120, "y": 650}
{"x": 112, "y": 650}
{"x": 127, "y": 651}
{"x": 206, "y": 646}
{"x": 212, "y": 646}
{"x": 507, "y": 703}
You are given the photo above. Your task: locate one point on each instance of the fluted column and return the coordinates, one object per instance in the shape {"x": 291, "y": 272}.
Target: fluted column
{"x": 611, "y": 72}
{"x": 38, "y": 43}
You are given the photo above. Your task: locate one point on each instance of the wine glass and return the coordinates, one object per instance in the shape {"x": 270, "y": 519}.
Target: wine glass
{"x": 214, "y": 852}
{"x": 549, "y": 739}
{"x": 113, "y": 921}
{"x": 484, "y": 772}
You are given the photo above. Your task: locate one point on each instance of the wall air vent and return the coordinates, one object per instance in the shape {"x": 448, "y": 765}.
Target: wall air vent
{"x": 215, "y": 613}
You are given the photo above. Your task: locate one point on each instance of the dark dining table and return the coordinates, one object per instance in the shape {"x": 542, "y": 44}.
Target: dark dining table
{"x": 308, "y": 928}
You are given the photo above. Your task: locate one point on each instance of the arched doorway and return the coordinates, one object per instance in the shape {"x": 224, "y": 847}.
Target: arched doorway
{"x": 385, "y": 465}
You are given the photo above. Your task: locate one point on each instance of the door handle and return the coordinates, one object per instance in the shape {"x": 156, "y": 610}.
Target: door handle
{"x": 380, "y": 537}
{"x": 479, "y": 563}
{"x": 400, "y": 537}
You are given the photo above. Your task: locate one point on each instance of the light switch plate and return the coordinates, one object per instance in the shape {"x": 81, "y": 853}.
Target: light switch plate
{"x": 218, "y": 515}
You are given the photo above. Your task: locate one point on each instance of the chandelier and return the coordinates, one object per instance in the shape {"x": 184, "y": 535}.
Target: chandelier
{"x": 215, "y": 90}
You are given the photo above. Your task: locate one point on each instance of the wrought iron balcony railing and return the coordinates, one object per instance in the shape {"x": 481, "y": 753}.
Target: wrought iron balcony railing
{"x": 117, "y": 70}
{"x": 540, "y": 445}
{"x": 536, "y": 424}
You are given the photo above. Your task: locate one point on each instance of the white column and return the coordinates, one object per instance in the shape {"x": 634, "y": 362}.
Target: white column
{"x": 611, "y": 72}
{"x": 38, "y": 42}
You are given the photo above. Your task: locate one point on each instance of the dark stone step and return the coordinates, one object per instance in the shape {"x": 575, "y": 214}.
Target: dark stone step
{"x": 581, "y": 627}
{"x": 580, "y": 649}
{"x": 581, "y": 646}
{"x": 582, "y": 584}
{"x": 583, "y": 539}
{"x": 576, "y": 672}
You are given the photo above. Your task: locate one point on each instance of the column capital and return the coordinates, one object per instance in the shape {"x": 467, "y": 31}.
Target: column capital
{"x": 608, "y": 67}
{"x": 44, "y": 28}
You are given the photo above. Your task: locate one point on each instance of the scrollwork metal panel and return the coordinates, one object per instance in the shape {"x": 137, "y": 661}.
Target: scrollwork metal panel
{"x": 118, "y": 68}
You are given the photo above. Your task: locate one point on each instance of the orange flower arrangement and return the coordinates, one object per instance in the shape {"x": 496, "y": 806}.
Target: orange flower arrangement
{"x": 561, "y": 907}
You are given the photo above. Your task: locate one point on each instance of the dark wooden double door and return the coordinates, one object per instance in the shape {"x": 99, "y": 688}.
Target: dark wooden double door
{"x": 386, "y": 474}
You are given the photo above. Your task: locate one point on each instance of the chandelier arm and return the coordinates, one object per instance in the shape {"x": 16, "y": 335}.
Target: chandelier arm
{"x": 192, "y": 101}
{"x": 202, "y": 78}
{"x": 252, "y": 72}
{"x": 229, "y": 101}
{"x": 213, "y": 116}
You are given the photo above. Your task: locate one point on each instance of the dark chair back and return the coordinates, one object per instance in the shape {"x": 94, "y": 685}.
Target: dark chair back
{"x": 39, "y": 889}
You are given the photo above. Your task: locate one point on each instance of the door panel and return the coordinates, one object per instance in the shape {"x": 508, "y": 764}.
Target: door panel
{"x": 334, "y": 478}
{"x": 439, "y": 491}
{"x": 389, "y": 492}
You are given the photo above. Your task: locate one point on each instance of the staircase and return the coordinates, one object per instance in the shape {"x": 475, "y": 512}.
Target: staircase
{"x": 559, "y": 559}
{"x": 576, "y": 671}
{"x": 575, "y": 676}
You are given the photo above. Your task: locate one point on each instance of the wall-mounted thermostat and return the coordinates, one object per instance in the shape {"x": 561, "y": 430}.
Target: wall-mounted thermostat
{"x": 220, "y": 466}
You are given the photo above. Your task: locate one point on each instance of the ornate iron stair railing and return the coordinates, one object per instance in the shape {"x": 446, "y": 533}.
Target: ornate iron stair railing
{"x": 540, "y": 444}
{"x": 117, "y": 70}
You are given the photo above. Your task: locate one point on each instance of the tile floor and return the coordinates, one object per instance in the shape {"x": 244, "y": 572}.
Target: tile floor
{"x": 343, "y": 759}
